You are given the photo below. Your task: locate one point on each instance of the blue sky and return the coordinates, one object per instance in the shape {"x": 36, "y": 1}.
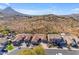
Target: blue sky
{"x": 43, "y": 8}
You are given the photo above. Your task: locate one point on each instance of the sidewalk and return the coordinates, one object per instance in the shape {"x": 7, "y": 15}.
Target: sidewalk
{"x": 62, "y": 49}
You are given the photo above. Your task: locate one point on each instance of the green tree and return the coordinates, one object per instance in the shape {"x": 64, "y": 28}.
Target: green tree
{"x": 10, "y": 47}
{"x": 39, "y": 50}
{"x": 26, "y": 52}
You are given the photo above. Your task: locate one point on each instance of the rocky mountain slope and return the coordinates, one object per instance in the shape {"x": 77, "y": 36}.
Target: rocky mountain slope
{"x": 38, "y": 24}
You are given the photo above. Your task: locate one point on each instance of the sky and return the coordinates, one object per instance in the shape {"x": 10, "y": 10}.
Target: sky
{"x": 43, "y": 8}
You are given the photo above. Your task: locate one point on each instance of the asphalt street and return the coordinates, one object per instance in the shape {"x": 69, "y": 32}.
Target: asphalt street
{"x": 53, "y": 52}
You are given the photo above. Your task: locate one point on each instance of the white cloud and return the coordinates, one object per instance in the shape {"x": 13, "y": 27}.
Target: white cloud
{"x": 8, "y": 4}
{"x": 75, "y": 9}
{"x": 36, "y": 12}
{"x": 2, "y": 6}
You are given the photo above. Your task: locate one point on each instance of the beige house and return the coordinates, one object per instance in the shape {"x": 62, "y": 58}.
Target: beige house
{"x": 21, "y": 36}
{"x": 51, "y": 36}
{"x": 39, "y": 36}
{"x": 36, "y": 37}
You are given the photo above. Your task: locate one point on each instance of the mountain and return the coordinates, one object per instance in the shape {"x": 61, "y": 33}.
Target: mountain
{"x": 75, "y": 16}
{"x": 42, "y": 24}
{"x": 38, "y": 23}
{"x": 8, "y": 11}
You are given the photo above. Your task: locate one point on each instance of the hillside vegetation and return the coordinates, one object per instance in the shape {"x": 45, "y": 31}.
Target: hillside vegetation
{"x": 41, "y": 24}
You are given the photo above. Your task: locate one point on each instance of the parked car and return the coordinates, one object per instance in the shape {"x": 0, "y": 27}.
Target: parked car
{"x": 3, "y": 50}
{"x": 34, "y": 43}
{"x": 27, "y": 42}
{"x": 17, "y": 43}
{"x": 44, "y": 41}
{"x": 74, "y": 44}
{"x": 60, "y": 42}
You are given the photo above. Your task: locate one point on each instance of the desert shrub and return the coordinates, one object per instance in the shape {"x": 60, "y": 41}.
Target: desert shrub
{"x": 55, "y": 32}
{"x": 26, "y": 52}
{"x": 39, "y": 50}
{"x": 5, "y": 31}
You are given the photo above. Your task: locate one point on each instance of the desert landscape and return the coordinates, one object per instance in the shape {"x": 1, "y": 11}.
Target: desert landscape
{"x": 38, "y": 34}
